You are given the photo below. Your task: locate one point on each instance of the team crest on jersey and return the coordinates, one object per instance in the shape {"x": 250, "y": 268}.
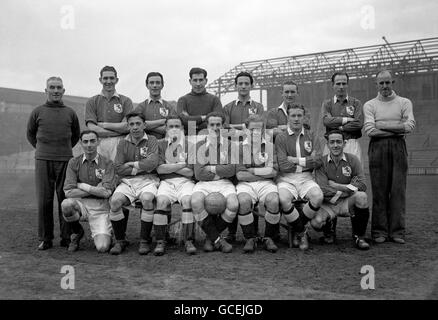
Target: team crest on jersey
{"x": 164, "y": 112}
{"x": 346, "y": 171}
{"x": 99, "y": 173}
{"x": 252, "y": 111}
{"x": 143, "y": 151}
{"x": 308, "y": 146}
{"x": 350, "y": 110}
{"x": 118, "y": 108}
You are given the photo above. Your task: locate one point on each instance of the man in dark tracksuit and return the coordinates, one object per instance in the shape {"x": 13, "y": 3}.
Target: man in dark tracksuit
{"x": 53, "y": 129}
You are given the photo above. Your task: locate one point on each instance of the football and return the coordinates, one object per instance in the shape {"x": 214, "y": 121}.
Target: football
{"x": 215, "y": 203}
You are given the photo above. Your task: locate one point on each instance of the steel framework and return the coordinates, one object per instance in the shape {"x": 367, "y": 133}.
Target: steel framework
{"x": 401, "y": 57}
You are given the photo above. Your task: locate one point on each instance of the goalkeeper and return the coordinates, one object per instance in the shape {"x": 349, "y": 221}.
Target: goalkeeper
{"x": 342, "y": 181}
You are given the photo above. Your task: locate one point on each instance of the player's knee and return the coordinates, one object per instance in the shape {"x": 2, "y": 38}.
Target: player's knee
{"x": 147, "y": 199}
{"x": 285, "y": 198}
{"x": 67, "y": 205}
{"x": 232, "y": 203}
{"x": 115, "y": 203}
{"x": 197, "y": 201}
{"x": 271, "y": 202}
{"x": 162, "y": 203}
{"x": 245, "y": 203}
{"x": 315, "y": 196}
{"x": 317, "y": 223}
{"x": 186, "y": 202}
{"x": 361, "y": 199}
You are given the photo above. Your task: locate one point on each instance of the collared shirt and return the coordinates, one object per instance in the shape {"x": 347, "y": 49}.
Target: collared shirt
{"x": 348, "y": 171}
{"x": 154, "y": 109}
{"x": 336, "y": 112}
{"x": 173, "y": 152}
{"x": 101, "y": 109}
{"x": 224, "y": 163}
{"x": 236, "y": 112}
{"x": 145, "y": 152}
{"x": 392, "y": 109}
{"x": 98, "y": 170}
{"x": 300, "y": 146}
{"x": 278, "y": 117}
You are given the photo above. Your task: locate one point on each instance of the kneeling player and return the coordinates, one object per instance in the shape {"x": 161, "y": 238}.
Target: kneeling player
{"x": 213, "y": 169}
{"x": 343, "y": 184}
{"x": 136, "y": 161}
{"x": 296, "y": 160}
{"x": 254, "y": 172}
{"x": 176, "y": 185}
{"x": 90, "y": 181}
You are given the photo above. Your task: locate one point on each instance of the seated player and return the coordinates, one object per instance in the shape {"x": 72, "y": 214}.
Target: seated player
{"x": 176, "y": 185}
{"x": 255, "y": 171}
{"x": 136, "y": 161}
{"x": 297, "y": 158}
{"x": 343, "y": 183}
{"x": 90, "y": 181}
{"x": 213, "y": 169}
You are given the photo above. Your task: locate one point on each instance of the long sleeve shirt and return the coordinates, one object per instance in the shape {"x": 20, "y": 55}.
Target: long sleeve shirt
{"x": 145, "y": 152}
{"x": 172, "y": 152}
{"x": 335, "y": 112}
{"x": 236, "y": 112}
{"x": 101, "y": 109}
{"x": 219, "y": 155}
{"x": 53, "y": 129}
{"x": 393, "y": 109}
{"x": 99, "y": 170}
{"x": 300, "y": 146}
{"x": 348, "y": 171}
{"x": 192, "y": 106}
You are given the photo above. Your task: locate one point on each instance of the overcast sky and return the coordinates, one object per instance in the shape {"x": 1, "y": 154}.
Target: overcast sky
{"x": 75, "y": 39}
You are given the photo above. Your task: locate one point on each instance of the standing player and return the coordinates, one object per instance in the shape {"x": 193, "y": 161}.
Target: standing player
{"x": 296, "y": 160}
{"x": 255, "y": 171}
{"x": 194, "y": 106}
{"x": 343, "y": 183}
{"x": 155, "y": 109}
{"x": 214, "y": 167}
{"x": 53, "y": 129}
{"x": 236, "y": 113}
{"x": 136, "y": 161}
{"x": 106, "y": 113}
{"x": 343, "y": 112}
{"x": 277, "y": 117}
{"x": 176, "y": 185}
{"x": 90, "y": 181}
{"x": 388, "y": 118}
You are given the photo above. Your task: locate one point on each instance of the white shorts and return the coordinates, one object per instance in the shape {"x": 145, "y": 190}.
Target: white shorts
{"x": 352, "y": 146}
{"x": 224, "y": 186}
{"x": 298, "y": 184}
{"x": 175, "y": 188}
{"x": 258, "y": 190}
{"x": 132, "y": 188}
{"x": 337, "y": 210}
{"x": 108, "y": 147}
{"x": 96, "y": 212}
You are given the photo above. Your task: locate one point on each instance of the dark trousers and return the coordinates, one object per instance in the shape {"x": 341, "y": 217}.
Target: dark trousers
{"x": 388, "y": 170}
{"x": 49, "y": 177}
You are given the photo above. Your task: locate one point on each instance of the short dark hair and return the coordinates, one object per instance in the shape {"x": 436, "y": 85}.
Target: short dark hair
{"x": 244, "y": 74}
{"x": 255, "y": 118}
{"x": 289, "y": 82}
{"x": 296, "y": 106}
{"x": 334, "y": 131}
{"x": 108, "y": 68}
{"x": 173, "y": 117}
{"x": 197, "y": 70}
{"x": 84, "y": 132}
{"x": 216, "y": 114}
{"x": 154, "y": 74}
{"x": 340, "y": 73}
{"x": 135, "y": 114}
